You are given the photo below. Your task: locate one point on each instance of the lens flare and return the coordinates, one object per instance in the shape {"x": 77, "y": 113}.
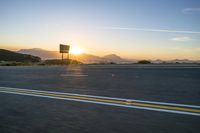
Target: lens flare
{"x": 76, "y": 50}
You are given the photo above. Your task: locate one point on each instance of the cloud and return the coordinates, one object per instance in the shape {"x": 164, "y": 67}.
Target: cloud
{"x": 181, "y": 39}
{"x": 191, "y": 10}
{"x": 151, "y": 30}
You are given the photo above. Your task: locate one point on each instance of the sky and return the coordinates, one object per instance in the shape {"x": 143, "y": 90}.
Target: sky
{"x": 135, "y": 29}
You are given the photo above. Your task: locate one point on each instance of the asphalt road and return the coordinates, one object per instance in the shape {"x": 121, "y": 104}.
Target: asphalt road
{"x": 161, "y": 83}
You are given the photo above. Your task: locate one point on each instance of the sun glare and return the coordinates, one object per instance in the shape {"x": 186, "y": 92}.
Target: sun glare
{"x": 76, "y": 50}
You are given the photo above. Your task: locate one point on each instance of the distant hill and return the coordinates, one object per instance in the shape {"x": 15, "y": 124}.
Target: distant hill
{"x": 44, "y": 54}
{"x": 114, "y": 58}
{"x": 6, "y": 55}
{"x": 85, "y": 58}
{"x": 89, "y": 58}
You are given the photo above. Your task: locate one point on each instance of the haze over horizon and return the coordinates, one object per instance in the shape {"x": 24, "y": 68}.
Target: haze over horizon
{"x": 157, "y": 29}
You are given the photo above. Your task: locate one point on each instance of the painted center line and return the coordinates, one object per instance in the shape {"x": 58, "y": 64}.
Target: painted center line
{"x": 120, "y": 102}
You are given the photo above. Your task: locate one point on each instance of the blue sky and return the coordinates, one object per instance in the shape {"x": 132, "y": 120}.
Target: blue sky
{"x": 151, "y": 29}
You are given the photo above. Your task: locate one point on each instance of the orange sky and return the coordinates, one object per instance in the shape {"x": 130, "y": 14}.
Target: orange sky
{"x": 135, "y": 30}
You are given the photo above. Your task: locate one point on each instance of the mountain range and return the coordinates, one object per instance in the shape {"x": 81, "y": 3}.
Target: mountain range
{"x": 84, "y": 57}
{"x": 89, "y": 58}
{"x": 44, "y": 54}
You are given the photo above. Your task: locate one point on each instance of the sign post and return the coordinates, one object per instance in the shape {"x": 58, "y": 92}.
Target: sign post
{"x": 64, "y": 49}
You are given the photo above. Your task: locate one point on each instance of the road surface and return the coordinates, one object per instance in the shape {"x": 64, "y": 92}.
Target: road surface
{"x": 100, "y": 98}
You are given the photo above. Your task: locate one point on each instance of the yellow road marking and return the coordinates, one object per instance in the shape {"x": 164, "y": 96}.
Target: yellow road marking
{"x": 107, "y": 100}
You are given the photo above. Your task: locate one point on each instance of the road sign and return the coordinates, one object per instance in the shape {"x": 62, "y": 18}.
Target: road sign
{"x": 64, "y": 48}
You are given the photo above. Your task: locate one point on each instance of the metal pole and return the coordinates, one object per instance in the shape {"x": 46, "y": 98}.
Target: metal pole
{"x": 68, "y": 58}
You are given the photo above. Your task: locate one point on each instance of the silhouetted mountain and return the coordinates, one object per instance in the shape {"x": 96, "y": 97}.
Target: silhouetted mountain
{"x": 89, "y": 58}
{"x": 85, "y": 58}
{"x": 6, "y": 55}
{"x": 44, "y": 54}
{"x": 114, "y": 58}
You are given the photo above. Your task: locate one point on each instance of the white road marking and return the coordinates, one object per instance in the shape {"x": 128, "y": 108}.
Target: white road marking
{"x": 110, "y": 98}
{"x": 99, "y": 102}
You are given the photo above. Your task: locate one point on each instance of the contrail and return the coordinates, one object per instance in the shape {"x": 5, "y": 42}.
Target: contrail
{"x": 152, "y": 30}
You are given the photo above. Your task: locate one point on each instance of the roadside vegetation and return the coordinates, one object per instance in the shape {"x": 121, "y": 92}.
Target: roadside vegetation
{"x": 60, "y": 62}
{"x": 144, "y": 62}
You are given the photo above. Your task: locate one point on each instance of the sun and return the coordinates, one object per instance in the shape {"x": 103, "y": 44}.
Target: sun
{"x": 76, "y": 50}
